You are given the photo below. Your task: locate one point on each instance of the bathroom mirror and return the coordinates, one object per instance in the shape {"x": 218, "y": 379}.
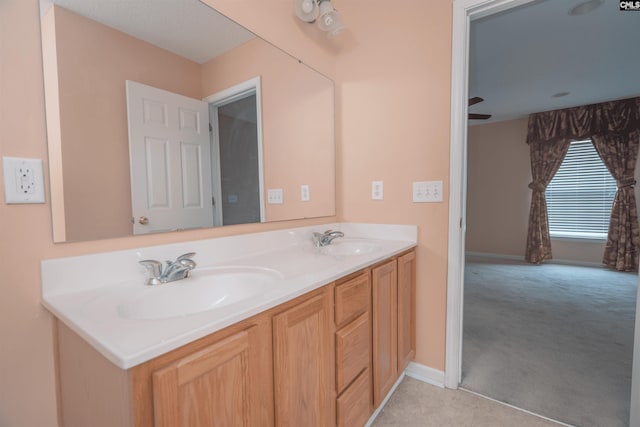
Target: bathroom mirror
{"x": 94, "y": 49}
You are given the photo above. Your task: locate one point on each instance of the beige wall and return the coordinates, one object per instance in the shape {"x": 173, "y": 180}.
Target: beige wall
{"x": 93, "y": 62}
{"x": 498, "y": 198}
{"x": 297, "y": 113}
{"x": 392, "y": 124}
{"x": 394, "y": 77}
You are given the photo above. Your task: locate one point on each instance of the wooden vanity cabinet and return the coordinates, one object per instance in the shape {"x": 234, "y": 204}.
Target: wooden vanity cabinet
{"x": 353, "y": 350}
{"x": 303, "y": 363}
{"x": 326, "y": 358}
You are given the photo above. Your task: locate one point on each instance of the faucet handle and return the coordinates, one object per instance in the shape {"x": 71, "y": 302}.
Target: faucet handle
{"x": 154, "y": 270}
{"x": 188, "y": 255}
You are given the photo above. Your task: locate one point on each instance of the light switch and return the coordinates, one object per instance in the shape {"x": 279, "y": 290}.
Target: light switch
{"x": 305, "y": 196}
{"x": 275, "y": 196}
{"x": 427, "y": 191}
{"x": 23, "y": 180}
{"x": 376, "y": 190}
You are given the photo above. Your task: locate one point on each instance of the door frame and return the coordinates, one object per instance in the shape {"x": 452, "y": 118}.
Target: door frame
{"x": 463, "y": 12}
{"x": 218, "y": 99}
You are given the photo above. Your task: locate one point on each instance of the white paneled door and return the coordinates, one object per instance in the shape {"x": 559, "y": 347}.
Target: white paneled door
{"x": 169, "y": 152}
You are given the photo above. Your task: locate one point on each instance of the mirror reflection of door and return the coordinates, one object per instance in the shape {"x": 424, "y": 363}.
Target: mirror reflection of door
{"x": 169, "y": 159}
{"x": 237, "y": 155}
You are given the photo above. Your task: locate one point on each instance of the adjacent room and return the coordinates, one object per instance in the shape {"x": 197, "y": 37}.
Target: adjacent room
{"x": 550, "y": 290}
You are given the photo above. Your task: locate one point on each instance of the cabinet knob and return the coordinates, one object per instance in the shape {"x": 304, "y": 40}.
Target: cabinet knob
{"x": 143, "y": 220}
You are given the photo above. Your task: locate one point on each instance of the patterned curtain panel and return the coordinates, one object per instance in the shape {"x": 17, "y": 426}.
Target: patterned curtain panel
{"x": 614, "y": 128}
{"x": 619, "y": 154}
{"x": 545, "y": 161}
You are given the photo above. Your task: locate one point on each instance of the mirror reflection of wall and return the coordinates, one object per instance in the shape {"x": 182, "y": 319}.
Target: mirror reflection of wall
{"x": 86, "y": 65}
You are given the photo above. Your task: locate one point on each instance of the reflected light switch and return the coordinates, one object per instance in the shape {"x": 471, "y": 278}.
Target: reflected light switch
{"x": 275, "y": 196}
{"x": 304, "y": 193}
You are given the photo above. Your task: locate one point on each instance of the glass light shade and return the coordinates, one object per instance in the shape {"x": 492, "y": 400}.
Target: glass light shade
{"x": 306, "y": 10}
{"x": 329, "y": 19}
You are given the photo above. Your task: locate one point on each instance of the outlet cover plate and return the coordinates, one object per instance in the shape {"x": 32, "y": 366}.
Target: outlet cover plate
{"x": 23, "y": 180}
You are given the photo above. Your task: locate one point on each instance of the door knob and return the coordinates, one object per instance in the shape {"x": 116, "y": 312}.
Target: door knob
{"x": 143, "y": 220}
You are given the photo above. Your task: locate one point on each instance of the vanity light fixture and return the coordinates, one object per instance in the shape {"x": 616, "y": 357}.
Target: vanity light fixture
{"x": 322, "y": 12}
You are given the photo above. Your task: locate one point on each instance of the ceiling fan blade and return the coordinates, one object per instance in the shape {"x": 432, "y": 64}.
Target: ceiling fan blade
{"x": 474, "y": 116}
{"x": 475, "y": 100}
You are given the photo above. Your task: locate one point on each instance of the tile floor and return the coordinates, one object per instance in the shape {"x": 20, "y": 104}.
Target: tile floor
{"x": 417, "y": 404}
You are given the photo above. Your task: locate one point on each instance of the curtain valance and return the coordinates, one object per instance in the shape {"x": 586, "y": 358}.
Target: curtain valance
{"x": 614, "y": 117}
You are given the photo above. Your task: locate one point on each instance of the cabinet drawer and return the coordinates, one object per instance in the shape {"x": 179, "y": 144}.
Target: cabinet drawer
{"x": 353, "y": 350}
{"x": 354, "y": 405}
{"x": 353, "y": 297}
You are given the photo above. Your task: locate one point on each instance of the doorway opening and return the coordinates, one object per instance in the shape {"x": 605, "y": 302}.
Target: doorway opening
{"x": 464, "y": 12}
{"x": 236, "y": 154}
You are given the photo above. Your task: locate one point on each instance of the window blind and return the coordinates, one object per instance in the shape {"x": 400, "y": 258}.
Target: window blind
{"x": 580, "y": 195}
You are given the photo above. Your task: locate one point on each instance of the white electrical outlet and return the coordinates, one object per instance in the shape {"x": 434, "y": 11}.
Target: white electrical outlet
{"x": 305, "y": 196}
{"x": 23, "y": 180}
{"x": 275, "y": 196}
{"x": 427, "y": 191}
{"x": 376, "y": 190}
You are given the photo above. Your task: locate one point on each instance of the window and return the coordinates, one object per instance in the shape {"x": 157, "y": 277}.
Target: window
{"x": 580, "y": 195}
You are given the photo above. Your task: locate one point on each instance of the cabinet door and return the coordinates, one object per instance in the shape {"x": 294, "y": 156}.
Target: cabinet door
{"x": 385, "y": 343}
{"x": 304, "y": 363}
{"x": 406, "y": 309}
{"x": 217, "y": 386}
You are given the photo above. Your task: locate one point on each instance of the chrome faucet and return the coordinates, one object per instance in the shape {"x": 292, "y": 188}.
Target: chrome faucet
{"x": 174, "y": 270}
{"x": 324, "y": 239}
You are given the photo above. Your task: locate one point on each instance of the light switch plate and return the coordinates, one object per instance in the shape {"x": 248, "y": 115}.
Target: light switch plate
{"x": 305, "y": 196}
{"x": 275, "y": 196}
{"x": 427, "y": 191}
{"x": 377, "y": 190}
{"x": 23, "y": 180}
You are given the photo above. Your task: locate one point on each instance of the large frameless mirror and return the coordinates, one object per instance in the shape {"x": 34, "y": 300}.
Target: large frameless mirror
{"x": 166, "y": 115}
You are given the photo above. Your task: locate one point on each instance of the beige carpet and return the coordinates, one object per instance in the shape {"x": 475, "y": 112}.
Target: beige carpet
{"x": 555, "y": 340}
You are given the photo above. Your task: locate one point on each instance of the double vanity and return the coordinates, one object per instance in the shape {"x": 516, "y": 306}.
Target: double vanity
{"x": 268, "y": 329}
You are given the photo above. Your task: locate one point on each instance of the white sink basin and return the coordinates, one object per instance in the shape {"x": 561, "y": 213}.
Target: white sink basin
{"x": 206, "y": 289}
{"x": 350, "y": 247}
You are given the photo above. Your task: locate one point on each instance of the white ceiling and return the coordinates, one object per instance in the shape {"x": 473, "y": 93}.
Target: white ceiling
{"x": 521, "y": 57}
{"x": 188, "y": 28}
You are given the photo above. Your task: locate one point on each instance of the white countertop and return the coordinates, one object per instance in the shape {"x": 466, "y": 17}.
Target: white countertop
{"x": 85, "y": 292}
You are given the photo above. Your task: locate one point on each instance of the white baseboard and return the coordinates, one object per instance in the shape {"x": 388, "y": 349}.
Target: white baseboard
{"x": 487, "y": 255}
{"x": 425, "y": 374}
